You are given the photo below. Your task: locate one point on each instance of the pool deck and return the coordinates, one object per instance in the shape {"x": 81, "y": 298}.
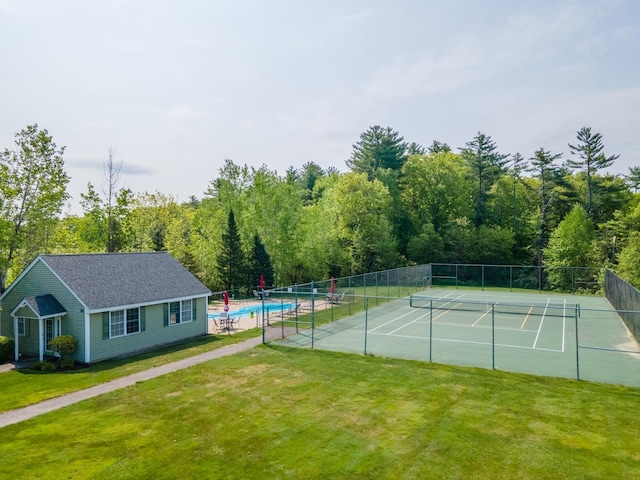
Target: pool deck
{"x": 246, "y": 322}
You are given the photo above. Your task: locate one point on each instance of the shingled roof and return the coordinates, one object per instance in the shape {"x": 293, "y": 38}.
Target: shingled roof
{"x": 43, "y": 305}
{"x": 107, "y": 280}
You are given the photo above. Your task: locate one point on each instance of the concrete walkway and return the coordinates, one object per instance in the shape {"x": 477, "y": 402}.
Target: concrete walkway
{"x": 21, "y": 414}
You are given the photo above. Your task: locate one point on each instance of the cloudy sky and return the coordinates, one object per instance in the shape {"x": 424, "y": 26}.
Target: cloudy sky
{"x": 176, "y": 87}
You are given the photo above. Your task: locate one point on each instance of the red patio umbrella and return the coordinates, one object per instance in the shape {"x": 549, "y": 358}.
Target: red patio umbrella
{"x": 261, "y": 282}
{"x": 333, "y": 285}
{"x": 225, "y": 297}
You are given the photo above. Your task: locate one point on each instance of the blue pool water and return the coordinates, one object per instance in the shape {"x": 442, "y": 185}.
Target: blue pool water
{"x": 268, "y": 308}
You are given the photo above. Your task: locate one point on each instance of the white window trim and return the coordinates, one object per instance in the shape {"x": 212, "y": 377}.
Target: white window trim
{"x": 181, "y": 309}
{"x": 124, "y": 323}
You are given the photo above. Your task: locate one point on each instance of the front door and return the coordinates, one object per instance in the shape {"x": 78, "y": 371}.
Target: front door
{"x": 51, "y": 331}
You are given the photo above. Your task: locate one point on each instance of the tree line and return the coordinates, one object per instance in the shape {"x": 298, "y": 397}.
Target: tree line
{"x": 398, "y": 204}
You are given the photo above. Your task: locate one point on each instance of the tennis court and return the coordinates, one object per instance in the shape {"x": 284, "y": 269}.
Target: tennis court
{"x": 538, "y": 333}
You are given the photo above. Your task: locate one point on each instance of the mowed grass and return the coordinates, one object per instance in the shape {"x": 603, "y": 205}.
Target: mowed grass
{"x": 273, "y": 412}
{"x": 20, "y": 388}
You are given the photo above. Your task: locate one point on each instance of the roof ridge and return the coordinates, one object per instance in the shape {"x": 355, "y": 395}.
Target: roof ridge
{"x": 100, "y": 253}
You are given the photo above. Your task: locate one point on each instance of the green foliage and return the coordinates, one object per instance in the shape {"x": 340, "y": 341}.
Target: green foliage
{"x": 363, "y": 228}
{"x": 260, "y": 264}
{"x": 426, "y": 247}
{"x": 47, "y": 366}
{"x": 378, "y": 148}
{"x": 569, "y": 246}
{"x": 32, "y": 193}
{"x": 7, "y": 348}
{"x": 64, "y": 345}
{"x": 485, "y": 165}
{"x": 494, "y": 245}
{"x": 306, "y": 180}
{"x": 231, "y": 259}
{"x": 67, "y": 363}
{"x": 411, "y": 205}
{"x": 434, "y": 189}
{"x": 629, "y": 261}
{"x": 589, "y": 158}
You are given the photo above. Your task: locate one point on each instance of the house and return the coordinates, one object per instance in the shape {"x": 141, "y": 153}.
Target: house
{"x": 114, "y": 304}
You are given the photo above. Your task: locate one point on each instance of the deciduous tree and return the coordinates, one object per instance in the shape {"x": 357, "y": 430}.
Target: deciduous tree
{"x": 33, "y": 191}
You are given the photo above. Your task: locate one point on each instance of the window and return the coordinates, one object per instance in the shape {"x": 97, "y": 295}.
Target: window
{"x": 133, "y": 320}
{"x": 180, "y": 312}
{"x": 124, "y": 322}
{"x": 22, "y": 329}
{"x": 116, "y": 322}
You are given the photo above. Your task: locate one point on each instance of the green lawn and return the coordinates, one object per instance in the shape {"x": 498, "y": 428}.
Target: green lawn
{"x": 20, "y": 388}
{"x": 274, "y": 412}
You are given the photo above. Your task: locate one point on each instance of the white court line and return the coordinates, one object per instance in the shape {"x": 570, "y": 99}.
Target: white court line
{"x": 414, "y": 321}
{"x": 541, "y": 322}
{"x": 405, "y": 315}
{"x": 483, "y": 315}
{"x": 394, "y": 320}
{"x": 522, "y": 347}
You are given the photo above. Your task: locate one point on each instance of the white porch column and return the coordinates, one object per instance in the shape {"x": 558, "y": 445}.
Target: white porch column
{"x": 16, "y": 336}
{"x": 41, "y": 338}
{"x": 87, "y": 337}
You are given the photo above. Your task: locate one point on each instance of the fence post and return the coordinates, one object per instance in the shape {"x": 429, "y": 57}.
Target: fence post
{"x": 575, "y": 314}
{"x": 493, "y": 337}
{"x": 313, "y": 314}
{"x": 430, "y": 329}
{"x": 366, "y": 322}
{"x": 296, "y": 307}
{"x": 511, "y": 278}
{"x": 539, "y": 278}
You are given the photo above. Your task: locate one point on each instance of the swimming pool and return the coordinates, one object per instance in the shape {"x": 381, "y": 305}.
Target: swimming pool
{"x": 249, "y": 309}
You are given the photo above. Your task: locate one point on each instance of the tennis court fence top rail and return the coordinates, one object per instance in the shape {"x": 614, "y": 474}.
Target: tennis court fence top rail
{"x": 538, "y": 309}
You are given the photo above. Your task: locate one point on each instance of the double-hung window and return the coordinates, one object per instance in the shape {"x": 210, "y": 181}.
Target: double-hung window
{"x": 22, "y": 328}
{"x": 124, "y": 322}
{"x": 180, "y": 312}
{"x": 133, "y": 320}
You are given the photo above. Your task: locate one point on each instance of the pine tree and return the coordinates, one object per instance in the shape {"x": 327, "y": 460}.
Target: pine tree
{"x": 542, "y": 165}
{"x": 231, "y": 262}
{"x": 378, "y": 148}
{"x": 261, "y": 264}
{"x": 591, "y": 158}
{"x": 485, "y": 165}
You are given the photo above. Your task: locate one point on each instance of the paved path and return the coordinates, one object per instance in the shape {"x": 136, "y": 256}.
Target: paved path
{"x": 21, "y": 414}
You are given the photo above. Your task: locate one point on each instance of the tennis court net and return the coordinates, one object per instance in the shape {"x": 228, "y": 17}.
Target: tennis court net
{"x": 564, "y": 310}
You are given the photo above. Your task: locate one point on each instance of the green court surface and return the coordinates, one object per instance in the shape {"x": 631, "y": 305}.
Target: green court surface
{"x": 520, "y": 332}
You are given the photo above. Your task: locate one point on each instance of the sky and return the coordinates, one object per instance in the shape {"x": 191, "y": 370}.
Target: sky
{"x": 176, "y": 87}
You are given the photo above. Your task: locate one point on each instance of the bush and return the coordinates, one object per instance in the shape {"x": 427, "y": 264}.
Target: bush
{"x": 64, "y": 345}
{"x": 48, "y": 367}
{"x": 7, "y": 348}
{"x": 67, "y": 363}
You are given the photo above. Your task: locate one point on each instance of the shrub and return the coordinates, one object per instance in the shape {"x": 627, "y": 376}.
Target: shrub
{"x": 64, "y": 345}
{"x": 7, "y": 348}
{"x": 67, "y": 362}
{"x": 47, "y": 367}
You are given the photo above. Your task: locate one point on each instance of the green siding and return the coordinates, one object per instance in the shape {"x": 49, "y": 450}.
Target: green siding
{"x": 40, "y": 281}
{"x": 154, "y": 334}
